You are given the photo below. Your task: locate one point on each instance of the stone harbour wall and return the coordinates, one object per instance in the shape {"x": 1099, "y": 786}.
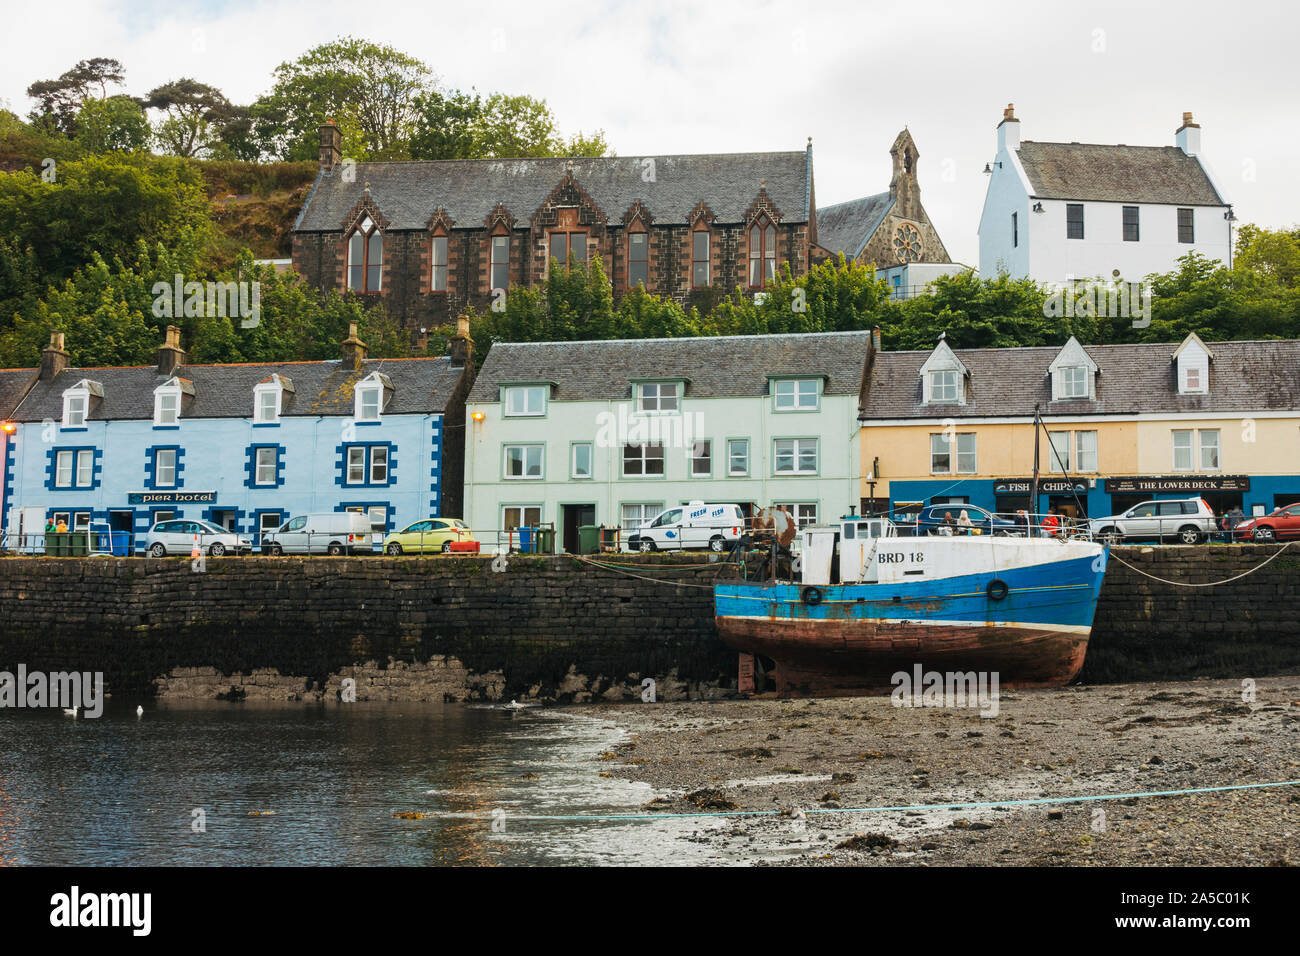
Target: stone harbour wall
{"x": 552, "y": 629}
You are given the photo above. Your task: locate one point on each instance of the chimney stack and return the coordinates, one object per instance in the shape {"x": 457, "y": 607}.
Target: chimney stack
{"x": 53, "y": 358}
{"x": 1009, "y": 129}
{"x": 1188, "y": 136}
{"x": 331, "y": 146}
{"x": 170, "y": 354}
{"x": 353, "y": 349}
{"x": 461, "y": 346}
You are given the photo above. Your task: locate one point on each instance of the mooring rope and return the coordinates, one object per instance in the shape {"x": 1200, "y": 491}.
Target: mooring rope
{"x": 1208, "y": 584}
{"x": 617, "y": 569}
{"x": 987, "y": 804}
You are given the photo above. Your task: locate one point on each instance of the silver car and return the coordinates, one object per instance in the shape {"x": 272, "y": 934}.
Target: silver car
{"x": 180, "y": 535}
{"x": 1189, "y": 520}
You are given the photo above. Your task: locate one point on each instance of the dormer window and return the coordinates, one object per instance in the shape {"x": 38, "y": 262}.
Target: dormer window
{"x": 523, "y": 401}
{"x": 365, "y": 257}
{"x": 943, "y": 377}
{"x": 268, "y": 400}
{"x": 656, "y": 397}
{"x": 76, "y": 402}
{"x": 167, "y": 403}
{"x": 1192, "y": 360}
{"x": 369, "y": 397}
{"x": 943, "y": 386}
{"x": 1073, "y": 373}
{"x": 1074, "y": 382}
{"x": 795, "y": 394}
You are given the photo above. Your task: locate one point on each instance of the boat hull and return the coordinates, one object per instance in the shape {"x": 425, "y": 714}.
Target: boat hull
{"x": 857, "y": 637}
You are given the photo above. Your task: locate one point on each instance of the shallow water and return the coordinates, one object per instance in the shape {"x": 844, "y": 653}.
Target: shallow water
{"x": 302, "y": 784}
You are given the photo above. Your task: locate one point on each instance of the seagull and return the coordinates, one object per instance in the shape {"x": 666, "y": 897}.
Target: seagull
{"x": 514, "y": 705}
{"x": 139, "y": 711}
{"x": 70, "y": 711}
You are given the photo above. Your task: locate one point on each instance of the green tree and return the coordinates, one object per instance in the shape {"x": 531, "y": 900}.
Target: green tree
{"x": 458, "y": 125}
{"x": 61, "y": 99}
{"x": 194, "y": 115}
{"x": 370, "y": 85}
{"x": 116, "y": 124}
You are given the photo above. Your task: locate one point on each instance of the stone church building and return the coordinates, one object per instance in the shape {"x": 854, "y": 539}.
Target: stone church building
{"x": 430, "y": 238}
{"x": 888, "y": 229}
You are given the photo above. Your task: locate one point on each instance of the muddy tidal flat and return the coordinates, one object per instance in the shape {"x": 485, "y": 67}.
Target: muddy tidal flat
{"x": 814, "y": 761}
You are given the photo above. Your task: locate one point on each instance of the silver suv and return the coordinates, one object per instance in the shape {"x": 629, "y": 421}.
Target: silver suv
{"x": 1188, "y": 520}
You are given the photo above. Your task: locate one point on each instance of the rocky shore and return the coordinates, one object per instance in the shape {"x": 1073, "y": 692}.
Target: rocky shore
{"x": 814, "y": 761}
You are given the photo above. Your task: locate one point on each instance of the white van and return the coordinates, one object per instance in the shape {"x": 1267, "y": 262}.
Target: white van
{"x": 328, "y": 532}
{"x": 695, "y": 525}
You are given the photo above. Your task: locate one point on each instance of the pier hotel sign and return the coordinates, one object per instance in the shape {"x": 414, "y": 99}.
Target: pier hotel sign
{"x": 171, "y": 497}
{"x": 1157, "y": 484}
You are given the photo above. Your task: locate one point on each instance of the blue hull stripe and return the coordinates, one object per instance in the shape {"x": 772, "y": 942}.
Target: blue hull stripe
{"x": 1061, "y": 593}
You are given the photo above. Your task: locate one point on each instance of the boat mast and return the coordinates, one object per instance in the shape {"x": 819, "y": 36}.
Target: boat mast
{"x": 1033, "y": 494}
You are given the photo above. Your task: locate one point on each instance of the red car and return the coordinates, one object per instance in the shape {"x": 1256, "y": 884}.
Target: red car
{"x": 1282, "y": 525}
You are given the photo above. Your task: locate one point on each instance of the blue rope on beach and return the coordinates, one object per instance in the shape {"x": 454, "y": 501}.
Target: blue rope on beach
{"x": 601, "y": 817}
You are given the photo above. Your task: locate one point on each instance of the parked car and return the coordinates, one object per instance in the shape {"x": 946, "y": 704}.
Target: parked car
{"x": 430, "y": 534}
{"x": 1282, "y": 525}
{"x": 696, "y": 525}
{"x": 327, "y": 532}
{"x": 934, "y": 519}
{"x": 179, "y": 535}
{"x": 1189, "y": 520}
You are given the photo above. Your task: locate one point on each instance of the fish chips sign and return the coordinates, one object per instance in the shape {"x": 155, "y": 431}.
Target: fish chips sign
{"x": 171, "y": 498}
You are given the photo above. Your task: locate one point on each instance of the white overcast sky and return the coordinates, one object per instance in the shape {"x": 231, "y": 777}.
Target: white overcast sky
{"x": 733, "y": 76}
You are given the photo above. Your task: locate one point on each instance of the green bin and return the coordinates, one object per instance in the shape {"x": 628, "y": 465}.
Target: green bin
{"x": 589, "y": 539}
{"x": 79, "y": 544}
{"x": 56, "y": 544}
{"x": 546, "y": 540}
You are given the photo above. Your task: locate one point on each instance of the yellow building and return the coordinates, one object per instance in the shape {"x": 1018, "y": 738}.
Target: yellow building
{"x": 1119, "y": 424}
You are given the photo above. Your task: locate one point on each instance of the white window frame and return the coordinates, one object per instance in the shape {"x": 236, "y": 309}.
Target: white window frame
{"x": 644, "y": 458}
{"x": 790, "y": 394}
{"x": 1074, "y": 382}
{"x": 378, "y": 465}
{"x": 259, "y": 411}
{"x": 158, "y": 454}
{"x": 795, "y": 455}
{"x": 966, "y": 450}
{"x": 1087, "y": 460}
{"x": 523, "y": 510}
{"x": 732, "y": 470}
{"x": 371, "y": 393}
{"x": 573, "y": 460}
{"x": 260, "y": 463}
{"x": 1215, "y": 447}
{"x": 1059, "y": 459}
{"x": 81, "y": 396}
{"x": 659, "y": 397}
{"x": 648, "y": 509}
{"x": 529, "y": 408}
{"x": 163, "y": 416}
{"x": 65, "y": 464}
{"x": 528, "y": 449}
{"x": 355, "y": 465}
{"x": 804, "y": 512}
{"x": 1190, "y": 435}
{"x": 938, "y": 395}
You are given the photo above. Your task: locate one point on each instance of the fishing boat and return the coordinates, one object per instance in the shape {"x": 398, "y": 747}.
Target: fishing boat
{"x": 866, "y": 604}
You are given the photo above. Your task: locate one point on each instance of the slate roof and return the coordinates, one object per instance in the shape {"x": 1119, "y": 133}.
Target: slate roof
{"x": 726, "y": 366}
{"x": 13, "y": 383}
{"x": 1138, "y": 174}
{"x": 846, "y": 227}
{"x": 1244, "y": 377}
{"x": 226, "y": 391}
{"x": 469, "y": 189}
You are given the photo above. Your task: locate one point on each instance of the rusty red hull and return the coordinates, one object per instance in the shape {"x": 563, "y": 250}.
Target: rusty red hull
{"x": 815, "y": 658}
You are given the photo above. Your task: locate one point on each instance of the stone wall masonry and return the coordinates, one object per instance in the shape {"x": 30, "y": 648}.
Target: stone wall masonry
{"x": 544, "y": 629}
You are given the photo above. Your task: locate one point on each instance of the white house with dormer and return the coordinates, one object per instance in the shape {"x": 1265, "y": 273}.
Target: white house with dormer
{"x": 1060, "y": 211}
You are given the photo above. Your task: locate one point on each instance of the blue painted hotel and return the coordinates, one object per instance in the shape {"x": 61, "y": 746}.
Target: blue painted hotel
{"x": 243, "y": 446}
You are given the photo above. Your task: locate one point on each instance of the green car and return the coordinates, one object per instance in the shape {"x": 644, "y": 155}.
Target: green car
{"x": 427, "y": 535}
